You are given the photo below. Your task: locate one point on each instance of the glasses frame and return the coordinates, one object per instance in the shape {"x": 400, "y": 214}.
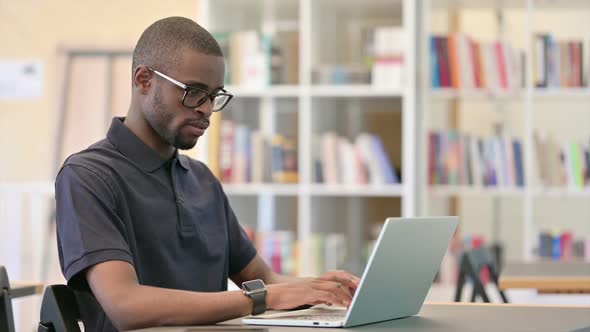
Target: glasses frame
{"x": 187, "y": 89}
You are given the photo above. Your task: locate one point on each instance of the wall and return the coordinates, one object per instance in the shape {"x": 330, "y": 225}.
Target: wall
{"x": 34, "y": 29}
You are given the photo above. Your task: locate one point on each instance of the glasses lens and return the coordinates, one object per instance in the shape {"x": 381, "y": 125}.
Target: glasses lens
{"x": 219, "y": 102}
{"x": 195, "y": 98}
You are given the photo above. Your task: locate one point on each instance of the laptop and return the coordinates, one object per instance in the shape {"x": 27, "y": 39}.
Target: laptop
{"x": 398, "y": 275}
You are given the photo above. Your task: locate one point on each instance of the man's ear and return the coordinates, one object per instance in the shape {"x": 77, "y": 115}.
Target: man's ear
{"x": 142, "y": 79}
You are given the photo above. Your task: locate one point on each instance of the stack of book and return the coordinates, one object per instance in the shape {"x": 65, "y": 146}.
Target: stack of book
{"x": 281, "y": 251}
{"x": 377, "y": 60}
{"x": 364, "y": 161}
{"x": 563, "y": 245}
{"x": 340, "y": 74}
{"x": 255, "y": 59}
{"x": 458, "y": 61}
{"x": 461, "y": 159}
{"x": 558, "y": 63}
{"x": 387, "y": 66}
{"x": 562, "y": 164}
{"x": 237, "y": 154}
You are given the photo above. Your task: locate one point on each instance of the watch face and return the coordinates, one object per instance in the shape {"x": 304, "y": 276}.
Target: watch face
{"x": 253, "y": 285}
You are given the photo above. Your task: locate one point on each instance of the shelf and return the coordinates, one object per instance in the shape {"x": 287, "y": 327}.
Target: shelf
{"x": 447, "y": 93}
{"x": 441, "y": 190}
{"x": 477, "y": 4}
{"x": 268, "y": 91}
{"x": 509, "y": 4}
{"x": 560, "y": 4}
{"x": 363, "y": 7}
{"x": 562, "y": 192}
{"x": 251, "y": 189}
{"x": 394, "y": 190}
{"x": 562, "y": 92}
{"x": 359, "y": 90}
{"x": 247, "y": 189}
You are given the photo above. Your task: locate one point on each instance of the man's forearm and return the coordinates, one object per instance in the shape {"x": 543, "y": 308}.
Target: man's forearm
{"x": 276, "y": 278}
{"x": 257, "y": 269}
{"x": 145, "y": 306}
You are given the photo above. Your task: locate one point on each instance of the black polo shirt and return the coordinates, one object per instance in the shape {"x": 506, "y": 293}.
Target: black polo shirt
{"x": 170, "y": 219}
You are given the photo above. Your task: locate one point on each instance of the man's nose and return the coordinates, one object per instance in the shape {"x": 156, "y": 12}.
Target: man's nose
{"x": 205, "y": 108}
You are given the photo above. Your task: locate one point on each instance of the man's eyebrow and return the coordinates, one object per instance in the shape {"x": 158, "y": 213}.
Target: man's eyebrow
{"x": 200, "y": 85}
{"x": 196, "y": 84}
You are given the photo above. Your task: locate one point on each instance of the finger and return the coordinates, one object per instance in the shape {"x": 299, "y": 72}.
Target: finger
{"x": 343, "y": 277}
{"x": 328, "y": 298}
{"x": 353, "y": 282}
{"x": 342, "y": 292}
{"x": 324, "y": 297}
{"x": 349, "y": 280}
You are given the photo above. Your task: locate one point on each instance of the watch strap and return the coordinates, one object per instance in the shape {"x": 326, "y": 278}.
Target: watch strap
{"x": 258, "y": 302}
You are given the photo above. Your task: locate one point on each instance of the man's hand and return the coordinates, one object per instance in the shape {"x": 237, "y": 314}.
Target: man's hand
{"x": 349, "y": 280}
{"x": 333, "y": 288}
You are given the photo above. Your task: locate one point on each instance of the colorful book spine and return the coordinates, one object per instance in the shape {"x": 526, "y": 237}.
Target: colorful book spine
{"x": 456, "y": 158}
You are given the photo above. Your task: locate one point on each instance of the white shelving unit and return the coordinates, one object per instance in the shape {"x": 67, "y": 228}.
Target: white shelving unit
{"x": 474, "y": 191}
{"x": 323, "y": 38}
{"x": 445, "y": 190}
{"x": 561, "y": 192}
{"x": 534, "y": 16}
{"x": 264, "y": 188}
{"x": 478, "y": 94}
{"x": 349, "y": 91}
{"x": 447, "y": 93}
{"x": 267, "y": 92}
{"x": 356, "y": 191}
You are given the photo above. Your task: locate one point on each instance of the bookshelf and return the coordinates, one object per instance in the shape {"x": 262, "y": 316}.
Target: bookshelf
{"x": 349, "y": 91}
{"x": 265, "y": 188}
{"x": 329, "y": 81}
{"x": 271, "y": 92}
{"x": 476, "y": 94}
{"x": 445, "y": 190}
{"x": 448, "y": 94}
{"x": 512, "y": 215}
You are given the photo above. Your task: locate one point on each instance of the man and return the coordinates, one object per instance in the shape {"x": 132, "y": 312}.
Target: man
{"x": 146, "y": 236}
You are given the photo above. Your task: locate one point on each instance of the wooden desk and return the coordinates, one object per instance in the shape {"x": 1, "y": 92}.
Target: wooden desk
{"x": 20, "y": 289}
{"x": 547, "y": 276}
{"x": 456, "y": 317}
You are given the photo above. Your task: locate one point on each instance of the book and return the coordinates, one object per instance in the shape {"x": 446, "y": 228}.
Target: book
{"x": 460, "y": 62}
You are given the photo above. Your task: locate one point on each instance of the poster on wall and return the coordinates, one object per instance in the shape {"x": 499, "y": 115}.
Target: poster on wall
{"x": 21, "y": 79}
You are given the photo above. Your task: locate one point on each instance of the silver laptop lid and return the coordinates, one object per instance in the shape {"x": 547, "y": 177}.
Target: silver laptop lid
{"x": 401, "y": 269}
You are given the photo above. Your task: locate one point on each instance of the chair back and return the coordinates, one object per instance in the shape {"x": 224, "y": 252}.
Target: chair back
{"x": 6, "y": 317}
{"x": 471, "y": 264}
{"x": 59, "y": 310}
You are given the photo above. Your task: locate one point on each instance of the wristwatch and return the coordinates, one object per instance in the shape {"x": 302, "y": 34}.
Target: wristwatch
{"x": 256, "y": 290}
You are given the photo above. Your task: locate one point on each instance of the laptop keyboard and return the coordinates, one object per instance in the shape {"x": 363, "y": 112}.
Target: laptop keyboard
{"x": 320, "y": 314}
{"x": 324, "y": 317}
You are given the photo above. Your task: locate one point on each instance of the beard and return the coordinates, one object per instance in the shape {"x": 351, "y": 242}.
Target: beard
{"x": 184, "y": 145}
{"x": 159, "y": 119}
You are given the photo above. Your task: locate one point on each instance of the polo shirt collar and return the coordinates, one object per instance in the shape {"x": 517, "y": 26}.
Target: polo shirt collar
{"x": 136, "y": 150}
{"x": 182, "y": 160}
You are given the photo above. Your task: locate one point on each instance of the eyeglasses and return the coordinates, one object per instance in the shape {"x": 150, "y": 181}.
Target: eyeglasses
{"x": 195, "y": 97}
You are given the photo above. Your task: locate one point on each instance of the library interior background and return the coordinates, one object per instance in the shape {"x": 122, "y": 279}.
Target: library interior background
{"x": 346, "y": 112}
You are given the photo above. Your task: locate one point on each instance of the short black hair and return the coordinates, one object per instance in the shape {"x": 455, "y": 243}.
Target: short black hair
{"x": 160, "y": 45}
